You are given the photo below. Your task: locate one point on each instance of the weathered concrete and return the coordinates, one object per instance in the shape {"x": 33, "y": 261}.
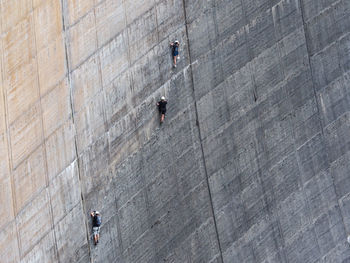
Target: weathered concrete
{"x": 251, "y": 164}
{"x": 274, "y": 124}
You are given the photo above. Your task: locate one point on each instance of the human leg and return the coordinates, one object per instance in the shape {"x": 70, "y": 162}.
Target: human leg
{"x": 98, "y": 235}
{"x": 95, "y": 234}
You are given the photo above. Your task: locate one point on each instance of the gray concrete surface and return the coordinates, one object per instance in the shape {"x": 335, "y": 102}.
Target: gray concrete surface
{"x": 272, "y": 91}
{"x": 252, "y": 163}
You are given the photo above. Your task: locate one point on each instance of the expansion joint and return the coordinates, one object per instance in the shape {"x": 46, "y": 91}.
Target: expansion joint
{"x": 66, "y": 50}
{"x": 199, "y": 132}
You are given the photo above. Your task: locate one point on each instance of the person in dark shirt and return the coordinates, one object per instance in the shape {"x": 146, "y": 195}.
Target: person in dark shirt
{"x": 175, "y": 50}
{"x": 162, "y": 108}
{"x": 96, "y": 223}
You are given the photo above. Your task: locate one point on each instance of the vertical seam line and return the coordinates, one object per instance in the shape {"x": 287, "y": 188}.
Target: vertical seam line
{"x": 309, "y": 60}
{"x": 199, "y": 133}
{"x": 63, "y": 7}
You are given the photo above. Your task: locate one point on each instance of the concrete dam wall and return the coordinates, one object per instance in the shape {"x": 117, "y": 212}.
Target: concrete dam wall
{"x": 252, "y": 163}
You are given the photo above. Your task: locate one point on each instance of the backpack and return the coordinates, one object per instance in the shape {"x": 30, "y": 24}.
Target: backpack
{"x": 98, "y": 220}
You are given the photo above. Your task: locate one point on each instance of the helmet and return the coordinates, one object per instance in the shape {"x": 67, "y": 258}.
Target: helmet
{"x": 162, "y": 98}
{"x": 97, "y": 212}
{"x": 176, "y": 41}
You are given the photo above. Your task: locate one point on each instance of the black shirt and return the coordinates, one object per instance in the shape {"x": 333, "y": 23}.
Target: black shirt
{"x": 162, "y": 105}
{"x": 175, "y": 49}
{"x": 96, "y": 220}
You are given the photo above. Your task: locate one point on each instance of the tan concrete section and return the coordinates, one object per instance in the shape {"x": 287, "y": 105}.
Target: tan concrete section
{"x": 110, "y": 20}
{"x": 20, "y": 71}
{"x": 48, "y": 23}
{"x": 14, "y": 11}
{"x": 26, "y": 134}
{"x": 6, "y": 208}
{"x": 83, "y": 40}
{"x": 33, "y": 64}
{"x": 8, "y": 243}
{"x": 19, "y": 45}
{"x": 4, "y": 168}
{"x": 49, "y": 43}
{"x": 64, "y": 192}
{"x": 22, "y": 90}
{"x": 29, "y": 178}
{"x": 86, "y": 82}
{"x": 134, "y": 8}
{"x": 51, "y": 65}
{"x": 55, "y": 108}
{"x": 78, "y": 8}
{"x": 44, "y": 251}
{"x": 60, "y": 149}
{"x": 2, "y": 98}
{"x": 36, "y": 3}
{"x": 34, "y": 222}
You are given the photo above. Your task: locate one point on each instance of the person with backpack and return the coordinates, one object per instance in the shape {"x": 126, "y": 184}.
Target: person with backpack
{"x": 175, "y": 50}
{"x": 162, "y": 108}
{"x": 96, "y": 223}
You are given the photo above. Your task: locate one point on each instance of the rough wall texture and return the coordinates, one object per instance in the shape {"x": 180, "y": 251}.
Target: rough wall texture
{"x": 251, "y": 165}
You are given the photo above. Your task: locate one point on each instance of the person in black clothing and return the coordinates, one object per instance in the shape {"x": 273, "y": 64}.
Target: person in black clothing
{"x": 96, "y": 223}
{"x": 162, "y": 108}
{"x": 175, "y": 50}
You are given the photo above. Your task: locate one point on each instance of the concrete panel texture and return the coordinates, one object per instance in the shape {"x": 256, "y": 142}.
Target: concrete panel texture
{"x": 252, "y": 163}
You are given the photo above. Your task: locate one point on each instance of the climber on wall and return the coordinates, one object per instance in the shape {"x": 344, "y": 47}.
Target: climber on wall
{"x": 162, "y": 108}
{"x": 96, "y": 223}
{"x": 175, "y": 51}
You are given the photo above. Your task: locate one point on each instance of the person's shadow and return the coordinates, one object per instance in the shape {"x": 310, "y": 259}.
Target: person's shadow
{"x": 171, "y": 55}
